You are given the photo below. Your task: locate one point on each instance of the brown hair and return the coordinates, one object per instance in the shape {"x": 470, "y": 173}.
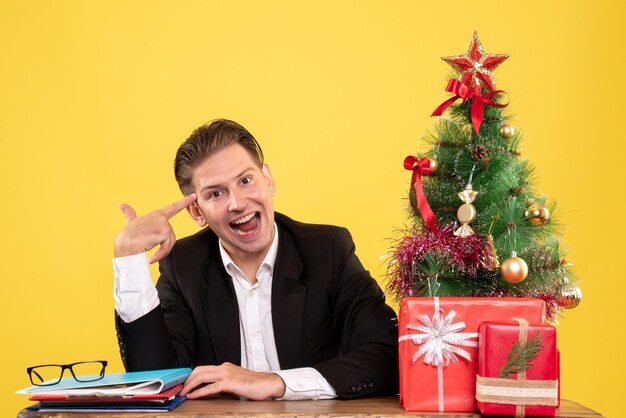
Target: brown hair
{"x": 207, "y": 140}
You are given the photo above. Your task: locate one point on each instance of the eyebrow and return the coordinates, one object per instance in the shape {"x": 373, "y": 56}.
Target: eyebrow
{"x": 217, "y": 186}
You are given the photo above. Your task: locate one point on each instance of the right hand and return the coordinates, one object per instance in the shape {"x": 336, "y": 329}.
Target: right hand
{"x": 228, "y": 378}
{"x": 143, "y": 233}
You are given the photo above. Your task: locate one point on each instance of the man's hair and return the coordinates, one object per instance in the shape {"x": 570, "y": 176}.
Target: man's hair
{"x": 206, "y": 141}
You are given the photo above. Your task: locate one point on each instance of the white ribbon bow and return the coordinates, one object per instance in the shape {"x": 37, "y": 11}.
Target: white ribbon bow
{"x": 439, "y": 338}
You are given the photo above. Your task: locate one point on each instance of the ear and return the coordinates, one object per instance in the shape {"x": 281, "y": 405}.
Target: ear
{"x": 195, "y": 213}
{"x": 268, "y": 177}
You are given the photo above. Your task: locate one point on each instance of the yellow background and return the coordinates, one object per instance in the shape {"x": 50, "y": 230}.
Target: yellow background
{"x": 95, "y": 97}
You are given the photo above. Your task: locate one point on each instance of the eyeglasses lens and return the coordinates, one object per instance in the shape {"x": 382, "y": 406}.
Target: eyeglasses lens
{"x": 88, "y": 371}
{"x": 48, "y": 375}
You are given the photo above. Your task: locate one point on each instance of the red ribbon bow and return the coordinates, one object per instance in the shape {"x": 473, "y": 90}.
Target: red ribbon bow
{"x": 462, "y": 91}
{"x": 421, "y": 167}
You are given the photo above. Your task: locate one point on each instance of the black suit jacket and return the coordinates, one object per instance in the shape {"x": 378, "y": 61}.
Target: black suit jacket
{"x": 327, "y": 311}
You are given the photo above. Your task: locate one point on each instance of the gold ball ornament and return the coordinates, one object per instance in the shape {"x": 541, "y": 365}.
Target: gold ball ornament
{"x": 514, "y": 269}
{"x": 537, "y": 214}
{"x": 569, "y": 296}
{"x": 434, "y": 165}
{"x": 507, "y": 131}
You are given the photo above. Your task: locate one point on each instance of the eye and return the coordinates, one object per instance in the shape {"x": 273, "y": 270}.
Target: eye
{"x": 215, "y": 194}
{"x": 246, "y": 180}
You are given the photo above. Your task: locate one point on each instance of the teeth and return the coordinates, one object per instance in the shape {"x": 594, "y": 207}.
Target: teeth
{"x": 244, "y": 219}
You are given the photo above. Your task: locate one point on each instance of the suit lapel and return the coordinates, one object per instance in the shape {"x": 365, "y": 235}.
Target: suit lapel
{"x": 220, "y": 309}
{"x": 288, "y": 300}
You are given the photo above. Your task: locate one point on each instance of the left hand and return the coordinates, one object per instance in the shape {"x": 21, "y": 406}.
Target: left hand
{"x": 228, "y": 378}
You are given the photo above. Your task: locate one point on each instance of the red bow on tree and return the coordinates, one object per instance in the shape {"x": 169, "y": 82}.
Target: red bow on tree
{"x": 462, "y": 91}
{"x": 421, "y": 167}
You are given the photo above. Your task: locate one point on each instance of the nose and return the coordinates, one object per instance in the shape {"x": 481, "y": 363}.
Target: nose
{"x": 237, "y": 201}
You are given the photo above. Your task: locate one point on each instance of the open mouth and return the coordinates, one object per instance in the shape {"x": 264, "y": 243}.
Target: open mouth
{"x": 247, "y": 224}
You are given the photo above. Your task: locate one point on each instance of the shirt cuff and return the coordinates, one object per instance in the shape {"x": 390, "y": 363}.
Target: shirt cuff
{"x": 134, "y": 291}
{"x": 305, "y": 383}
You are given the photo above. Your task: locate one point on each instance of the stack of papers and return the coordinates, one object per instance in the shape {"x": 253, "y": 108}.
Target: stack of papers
{"x": 134, "y": 391}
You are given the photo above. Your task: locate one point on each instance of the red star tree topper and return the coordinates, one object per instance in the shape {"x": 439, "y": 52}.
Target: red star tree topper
{"x": 476, "y": 66}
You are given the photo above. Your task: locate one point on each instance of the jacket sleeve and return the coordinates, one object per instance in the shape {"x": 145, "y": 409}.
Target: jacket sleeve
{"x": 365, "y": 326}
{"x": 152, "y": 342}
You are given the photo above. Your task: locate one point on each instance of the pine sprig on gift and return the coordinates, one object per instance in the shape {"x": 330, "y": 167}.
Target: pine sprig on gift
{"x": 521, "y": 356}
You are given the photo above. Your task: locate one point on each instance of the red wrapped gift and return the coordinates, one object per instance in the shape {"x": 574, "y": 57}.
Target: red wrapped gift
{"x": 558, "y": 373}
{"x": 517, "y": 369}
{"x": 438, "y": 347}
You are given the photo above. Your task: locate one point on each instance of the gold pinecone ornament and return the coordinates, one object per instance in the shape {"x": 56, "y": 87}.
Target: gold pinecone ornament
{"x": 569, "y": 295}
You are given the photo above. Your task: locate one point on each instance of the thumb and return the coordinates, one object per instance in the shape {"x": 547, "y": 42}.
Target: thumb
{"x": 129, "y": 213}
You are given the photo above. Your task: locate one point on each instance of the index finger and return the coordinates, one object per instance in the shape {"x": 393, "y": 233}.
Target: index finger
{"x": 179, "y": 205}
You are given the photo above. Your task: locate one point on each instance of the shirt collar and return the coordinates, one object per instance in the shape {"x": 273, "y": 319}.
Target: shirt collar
{"x": 269, "y": 261}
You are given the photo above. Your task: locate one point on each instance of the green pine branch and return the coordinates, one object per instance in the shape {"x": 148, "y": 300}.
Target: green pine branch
{"x": 521, "y": 356}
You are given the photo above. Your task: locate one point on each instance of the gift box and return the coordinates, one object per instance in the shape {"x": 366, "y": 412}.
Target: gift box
{"x": 438, "y": 347}
{"x": 517, "y": 369}
{"x": 558, "y": 373}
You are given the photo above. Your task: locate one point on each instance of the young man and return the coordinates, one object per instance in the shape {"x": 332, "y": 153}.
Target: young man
{"x": 260, "y": 305}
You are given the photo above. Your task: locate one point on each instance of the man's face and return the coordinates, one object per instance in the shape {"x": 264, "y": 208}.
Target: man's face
{"x": 235, "y": 201}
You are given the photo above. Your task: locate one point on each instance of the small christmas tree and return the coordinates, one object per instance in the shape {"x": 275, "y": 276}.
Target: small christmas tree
{"x": 480, "y": 228}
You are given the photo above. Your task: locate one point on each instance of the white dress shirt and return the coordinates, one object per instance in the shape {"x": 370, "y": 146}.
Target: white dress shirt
{"x": 135, "y": 295}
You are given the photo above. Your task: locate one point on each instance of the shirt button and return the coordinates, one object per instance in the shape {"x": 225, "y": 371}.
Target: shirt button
{"x": 299, "y": 385}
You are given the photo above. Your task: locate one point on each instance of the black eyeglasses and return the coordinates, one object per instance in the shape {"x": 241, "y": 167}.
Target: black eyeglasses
{"x": 51, "y": 374}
